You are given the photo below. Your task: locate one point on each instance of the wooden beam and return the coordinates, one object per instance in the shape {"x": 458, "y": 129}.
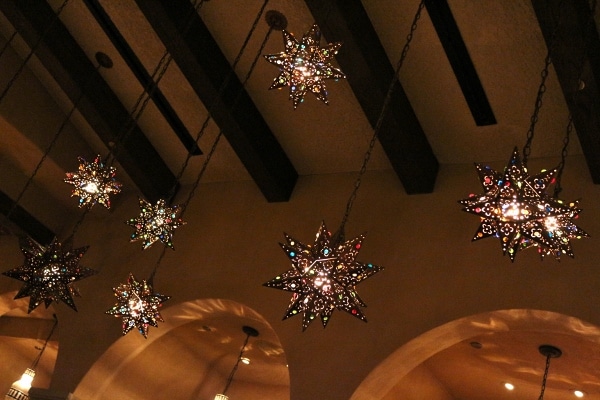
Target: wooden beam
{"x": 25, "y": 221}
{"x": 576, "y": 50}
{"x": 77, "y": 76}
{"x": 206, "y": 68}
{"x": 369, "y": 73}
{"x": 460, "y": 61}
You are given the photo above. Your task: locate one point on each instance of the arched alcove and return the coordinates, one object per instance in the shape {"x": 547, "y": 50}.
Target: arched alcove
{"x": 22, "y": 337}
{"x": 472, "y": 357}
{"x": 190, "y": 356}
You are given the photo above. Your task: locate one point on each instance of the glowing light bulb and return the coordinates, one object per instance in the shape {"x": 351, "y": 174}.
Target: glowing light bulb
{"x": 509, "y": 386}
{"x": 578, "y": 393}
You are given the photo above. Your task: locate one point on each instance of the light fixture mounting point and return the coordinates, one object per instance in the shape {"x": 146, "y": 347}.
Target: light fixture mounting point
{"x": 250, "y": 331}
{"x": 548, "y": 350}
{"x": 104, "y": 60}
{"x": 276, "y": 20}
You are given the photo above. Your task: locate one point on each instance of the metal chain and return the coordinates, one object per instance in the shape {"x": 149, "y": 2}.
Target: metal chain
{"x": 570, "y": 125}
{"x": 237, "y": 364}
{"x": 220, "y": 134}
{"x": 386, "y": 102}
{"x": 545, "y": 378}
{"x": 222, "y": 88}
{"x": 32, "y": 51}
{"x": 62, "y": 126}
{"x": 146, "y": 95}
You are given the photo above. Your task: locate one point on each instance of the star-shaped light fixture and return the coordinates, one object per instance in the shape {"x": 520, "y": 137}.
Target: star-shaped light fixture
{"x": 323, "y": 277}
{"x": 49, "y": 272}
{"x": 155, "y": 223}
{"x": 94, "y": 182}
{"x": 516, "y": 208}
{"x": 138, "y": 305}
{"x": 305, "y": 65}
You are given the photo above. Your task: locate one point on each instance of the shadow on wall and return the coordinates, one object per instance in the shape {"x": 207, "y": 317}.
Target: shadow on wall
{"x": 190, "y": 356}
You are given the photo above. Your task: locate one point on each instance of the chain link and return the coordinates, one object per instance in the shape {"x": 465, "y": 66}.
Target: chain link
{"x": 545, "y": 378}
{"x": 386, "y": 102}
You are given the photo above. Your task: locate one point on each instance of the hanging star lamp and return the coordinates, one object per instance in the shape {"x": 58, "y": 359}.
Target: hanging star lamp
{"x": 515, "y": 206}
{"x": 155, "y": 222}
{"x": 49, "y": 273}
{"x": 304, "y": 65}
{"x": 135, "y": 296}
{"x": 138, "y": 305}
{"x": 94, "y": 182}
{"x": 324, "y": 274}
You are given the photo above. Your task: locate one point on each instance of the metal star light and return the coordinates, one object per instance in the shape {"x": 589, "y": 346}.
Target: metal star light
{"x": 516, "y": 208}
{"x": 155, "y": 223}
{"x": 305, "y": 65}
{"x": 138, "y": 305}
{"x": 49, "y": 272}
{"x": 94, "y": 182}
{"x": 323, "y": 277}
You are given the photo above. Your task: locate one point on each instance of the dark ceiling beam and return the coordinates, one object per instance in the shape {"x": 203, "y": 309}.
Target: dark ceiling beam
{"x": 142, "y": 75}
{"x": 369, "y": 73}
{"x": 460, "y": 61}
{"x": 77, "y": 76}
{"x": 576, "y": 44}
{"x": 206, "y": 68}
{"x": 25, "y": 221}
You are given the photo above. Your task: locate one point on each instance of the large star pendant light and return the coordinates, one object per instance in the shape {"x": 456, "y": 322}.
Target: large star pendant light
{"x": 155, "y": 223}
{"x": 48, "y": 273}
{"x": 94, "y": 182}
{"x": 305, "y": 65}
{"x": 323, "y": 277}
{"x": 516, "y": 208}
{"x": 138, "y": 305}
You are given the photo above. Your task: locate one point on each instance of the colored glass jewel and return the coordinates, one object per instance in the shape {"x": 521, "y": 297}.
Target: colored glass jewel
{"x": 304, "y": 65}
{"x": 49, "y": 273}
{"x": 94, "y": 182}
{"x": 138, "y": 305}
{"x": 155, "y": 223}
{"x": 323, "y": 277}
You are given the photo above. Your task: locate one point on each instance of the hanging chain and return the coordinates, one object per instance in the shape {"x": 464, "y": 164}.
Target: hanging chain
{"x": 62, "y": 126}
{"x": 39, "y": 356}
{"x": 386, "y": 102}
{"x": 222, "y": 88}
{"x": 545, "y": 378}
{"x": 192, "y": 192}
{"x": 570, "y": 125}
{"x": 146, "y": 95}
{"x": 237, "y": 364}
{"x": 32, "y": 51}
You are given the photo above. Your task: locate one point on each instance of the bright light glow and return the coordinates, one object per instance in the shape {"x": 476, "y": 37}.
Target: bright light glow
{"x": 221, "y": 397}
{"x": 509, "y": 386}
{"x": 578, "y": 393}
{"x": 245, "y": 360}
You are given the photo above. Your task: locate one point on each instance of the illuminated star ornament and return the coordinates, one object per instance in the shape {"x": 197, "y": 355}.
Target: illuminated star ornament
{"x": 94, "y": 182}
{"x": 138, "y": 305}
{"x": 323, "y": 277}
{"x": 305, "y": 65}
{"x": 155, "y": 223}
{"x": 49, "y": 272}
{"x": 516, "y": 209}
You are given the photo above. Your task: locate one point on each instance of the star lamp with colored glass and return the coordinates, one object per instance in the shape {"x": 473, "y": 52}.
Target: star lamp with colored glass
{"x": 305, "y": 65}
{"x": 323, "y": 277}
{"x": 516, "y": 208}
{"x": 138, "y": 305}
{"x": 93, "y": 183}
{"x": 155, "y": 223}
{"x": 49, "y": 273}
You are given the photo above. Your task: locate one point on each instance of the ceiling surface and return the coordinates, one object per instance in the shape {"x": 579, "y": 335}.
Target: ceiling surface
{"x": 184, "y": 104}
